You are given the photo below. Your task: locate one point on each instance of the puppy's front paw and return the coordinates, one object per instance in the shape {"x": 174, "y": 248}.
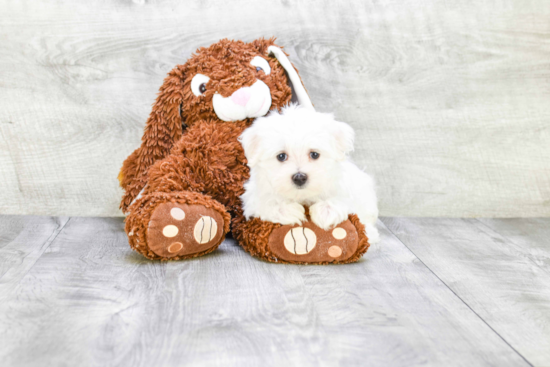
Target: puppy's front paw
{"x": 326, "y": 215}
{"x": 372, "y": 233}
{"x": 288, "y": 213}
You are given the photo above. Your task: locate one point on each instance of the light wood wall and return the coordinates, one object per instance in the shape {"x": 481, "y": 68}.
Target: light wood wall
{"x": 450, "y": 99}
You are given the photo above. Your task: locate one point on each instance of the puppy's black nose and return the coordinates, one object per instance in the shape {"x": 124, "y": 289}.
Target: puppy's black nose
{"x": 299, "y": 178}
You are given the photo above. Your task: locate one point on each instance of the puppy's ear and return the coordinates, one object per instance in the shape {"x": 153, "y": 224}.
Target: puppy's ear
{"x": 251, "y": 142}
{"x": 344, "y": 137}
{"x": 163, "y": 128}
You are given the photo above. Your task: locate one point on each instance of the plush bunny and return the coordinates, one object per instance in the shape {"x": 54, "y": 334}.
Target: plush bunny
{"x": 182, "y": 185}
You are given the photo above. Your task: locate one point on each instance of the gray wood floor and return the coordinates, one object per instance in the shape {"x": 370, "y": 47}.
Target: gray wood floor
{"x": 440, "y": 292}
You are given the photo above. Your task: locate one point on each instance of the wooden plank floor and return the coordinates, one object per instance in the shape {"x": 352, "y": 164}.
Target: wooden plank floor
{"x": 439, "y": 292}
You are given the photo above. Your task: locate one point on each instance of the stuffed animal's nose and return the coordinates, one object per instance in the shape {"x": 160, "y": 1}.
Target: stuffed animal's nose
{"x": 299, "y": 179}
{"x": 241, "y": 96}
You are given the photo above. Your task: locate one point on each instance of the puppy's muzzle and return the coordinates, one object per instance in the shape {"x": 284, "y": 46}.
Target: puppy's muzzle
{"x": 299, "y": 179}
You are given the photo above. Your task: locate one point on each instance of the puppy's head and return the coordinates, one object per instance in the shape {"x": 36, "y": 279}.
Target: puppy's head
{"x": 297, "y": 152}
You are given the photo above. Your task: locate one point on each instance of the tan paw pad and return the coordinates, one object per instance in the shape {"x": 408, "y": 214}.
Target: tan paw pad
{"x": 205, "y": 229}
{"x": 334, "y": 251}
{"x": 339, "y": 233}
{"x": 175, "y": 247}
{"x": 300, "y": 240}
{"x": 170, "y": 231}
{"x": 177, "y": 214}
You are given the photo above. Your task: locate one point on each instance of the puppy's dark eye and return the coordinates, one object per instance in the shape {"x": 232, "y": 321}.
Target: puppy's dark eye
{"x": 202, "y": 88}
{"x": 314, "y": 155}
{"x": 282, "y": 157}
{"x": 258, "y": 68}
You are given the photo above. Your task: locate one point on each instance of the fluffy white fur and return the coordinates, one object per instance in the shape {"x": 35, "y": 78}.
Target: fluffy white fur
{"x": 335, "y": 187}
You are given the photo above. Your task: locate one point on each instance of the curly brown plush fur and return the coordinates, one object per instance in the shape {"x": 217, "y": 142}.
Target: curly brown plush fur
{"x": 228, "y": 65}
{"x": 189, "y": 156}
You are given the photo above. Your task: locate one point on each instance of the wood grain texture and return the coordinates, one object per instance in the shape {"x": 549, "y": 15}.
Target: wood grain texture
{"x": 90, "y": 301}
{"x": 529, "y": 236}
{"x": 22, "y": 241}
{"x": 499, "y": 268}
{"x": 449, "y": 99}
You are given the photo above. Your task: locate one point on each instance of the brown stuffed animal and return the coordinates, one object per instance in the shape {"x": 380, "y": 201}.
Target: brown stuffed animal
{"x": 182, "y": 185}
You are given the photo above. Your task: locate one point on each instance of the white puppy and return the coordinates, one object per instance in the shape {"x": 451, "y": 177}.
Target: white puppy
{"x": 299, "y": 157}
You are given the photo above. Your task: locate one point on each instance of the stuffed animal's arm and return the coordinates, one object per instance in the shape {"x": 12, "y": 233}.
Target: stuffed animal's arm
{"x": 129, "y": 169}
{"x": 131, "y": 179}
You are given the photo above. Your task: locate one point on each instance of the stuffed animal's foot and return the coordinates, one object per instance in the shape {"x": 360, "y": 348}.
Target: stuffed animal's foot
{"x": 304, "y": 243}
{"x": 176, "y": 226}
{"x": 308, "y": 243}
{"x": 181, "y": 229}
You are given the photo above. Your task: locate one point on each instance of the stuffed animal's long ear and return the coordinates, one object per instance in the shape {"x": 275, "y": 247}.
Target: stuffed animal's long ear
{"x": 163, "y": 128}
{"x": 269, "y": 48}
{"x": 297, "y": 85}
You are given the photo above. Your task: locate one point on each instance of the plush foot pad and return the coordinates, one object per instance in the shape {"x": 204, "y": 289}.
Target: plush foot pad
{"x": 180, "y": 229}
{"x": 308, "y": 243}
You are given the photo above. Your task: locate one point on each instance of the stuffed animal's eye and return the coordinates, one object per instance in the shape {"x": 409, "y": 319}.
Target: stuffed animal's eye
{"x": 198, "y": 84}
{"x": 314, "y": 155}
{"x": 282, "y": 157}
{"x": 261, "y": 64}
